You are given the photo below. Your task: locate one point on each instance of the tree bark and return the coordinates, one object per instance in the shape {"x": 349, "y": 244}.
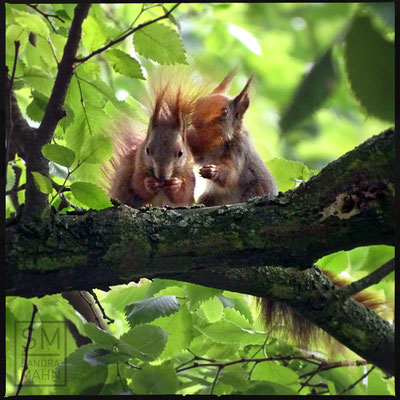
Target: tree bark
{"x": 349, "y": 204}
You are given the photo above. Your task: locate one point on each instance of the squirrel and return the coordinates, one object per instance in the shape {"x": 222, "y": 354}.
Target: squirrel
{"x": 220, "y": 142}
{"x": 156, "y": 169}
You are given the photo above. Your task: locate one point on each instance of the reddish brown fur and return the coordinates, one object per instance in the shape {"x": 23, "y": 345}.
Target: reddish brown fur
{"x": 131, "y": 174}
{"x": 279, "y": 316}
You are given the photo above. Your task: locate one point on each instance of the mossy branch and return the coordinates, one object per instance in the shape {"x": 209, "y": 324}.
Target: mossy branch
{"x": 349, "y": 204}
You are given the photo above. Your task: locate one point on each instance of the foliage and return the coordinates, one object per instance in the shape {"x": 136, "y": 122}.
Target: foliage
{"x": 313, "y": 64}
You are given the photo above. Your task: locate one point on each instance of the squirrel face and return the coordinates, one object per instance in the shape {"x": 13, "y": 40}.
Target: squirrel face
{"x": 165, "y": 151}
{"x": 218, "y": 114}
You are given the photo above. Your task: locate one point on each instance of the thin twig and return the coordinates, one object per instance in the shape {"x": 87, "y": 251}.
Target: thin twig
{"x": 305, "y": 383}
{"x": 9, "y": 91}
{"x": 372, "y": 279}
{"x": 357, "y": 381}
{"x": 28, "y": 342}
{"x": 47, "y": 16}
{"x": 216, "y": 379}
{"x": 83, "y": 102}
{"x": 67, "y": 203}
{"x": 110, "y": 320}
{"x": 336, "y": 364}
{"x": 91, "y": 307}
{"x": 243, "y": 360}
{"x": 115, "y": 41}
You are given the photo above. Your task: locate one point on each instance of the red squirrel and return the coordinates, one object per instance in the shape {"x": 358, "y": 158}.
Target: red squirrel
{"x": 157, "y": 169}
{"x": 220, "y": 142}
{"x": 235, "y": 171}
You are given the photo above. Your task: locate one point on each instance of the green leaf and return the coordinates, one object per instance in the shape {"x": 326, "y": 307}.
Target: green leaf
{"x": 235, "y": 376}
{"x": 93, "y": 36}
{"x": 314, "y": 89}
{"x": 37, "y": 107}
{"x": 39, "y": 80}
{"x": 288, "y": 173}
{"x": 160, "y": 43}
{"x": 335, "y": 262}
{"x": 42, "y": 183}
{"x": 268, "y": 388}
{"x": 13, "y": 33}
{"x": 59, "y": 154}
{"x": 227, "y": 332}
{"x": 96, "y": 149}
{"x": 179, "y": 325}
{"x": 33, "y": 23}
{"x": 147, "y": 339}
{"x": 213, "y": 309}
{"x": 377, "y": 256}
{"x": 155, "y": 379}
{"x": 91, "y": 195}
{"x": 199, "y": 293}
{"x": 147, "y": 310}
{"x": 124, "y": 64}
{"x": 105, "y": 91}
{"x": 81, "y": 376}
{"x": 274, "y": 372}
{"x": 369, "y": 61}
{"x": 120, "y": 296}
{"x": 97, "y": 357}
{"x": 10, "y": 178}
{"x": 236, "y": 317}
{"x": 99, "y": 336}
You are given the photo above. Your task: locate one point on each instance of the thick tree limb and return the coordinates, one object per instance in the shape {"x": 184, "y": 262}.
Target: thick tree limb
{"x": 349, "y": 204}
{"x": 35, "y": 201}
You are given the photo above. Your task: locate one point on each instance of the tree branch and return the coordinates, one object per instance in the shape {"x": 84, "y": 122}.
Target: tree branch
{"x": 35, "y": 201}
{"x": 369, "y": 280}
{"x": 130, "y": 32}
{"x": 47, "y": 16}
{"x": 349, "y": 204}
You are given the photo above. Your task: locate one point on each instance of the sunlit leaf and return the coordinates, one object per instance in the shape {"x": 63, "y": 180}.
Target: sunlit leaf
{"x": 124, "y": 64}
{"x": 59, "y": 154}
{"x": 155, "y": 379}
{"x": 10, "y": 178}
{"x": 91, "y": 195}
{"x": 33, "y": 23}
{"x": 96, "y": 149}
{"x": 42, "y": 183}
{"x": 147, "y": 310}
{"x": 160, "y": 43}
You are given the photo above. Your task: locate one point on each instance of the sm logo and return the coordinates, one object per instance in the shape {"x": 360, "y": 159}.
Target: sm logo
{"x": 46, "y": 353}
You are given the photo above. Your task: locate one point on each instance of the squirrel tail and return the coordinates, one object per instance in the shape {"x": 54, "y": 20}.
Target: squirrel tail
{"x": 126, "y": 136}
{"x": 280, "y": 317}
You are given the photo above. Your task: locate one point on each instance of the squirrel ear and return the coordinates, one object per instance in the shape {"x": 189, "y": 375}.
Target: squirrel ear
{"x": 224, "y": 86}
{"x": 157, "y": 107}
{"x": 241, "y": 101}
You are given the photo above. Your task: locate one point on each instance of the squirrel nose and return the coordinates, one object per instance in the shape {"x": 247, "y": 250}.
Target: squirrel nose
{"x": 161, "y": 177}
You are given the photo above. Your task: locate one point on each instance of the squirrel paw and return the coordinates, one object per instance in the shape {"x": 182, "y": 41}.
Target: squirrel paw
{"x": 209, "y": 171}
{"x": 173, "y": 184}
{"x": 152, "y": 185}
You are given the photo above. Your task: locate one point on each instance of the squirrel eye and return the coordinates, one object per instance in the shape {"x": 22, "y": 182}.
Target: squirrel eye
{"x": 224, "y": 112}
{"x": 180, "y": 153}
{"x": 147, "y": 150}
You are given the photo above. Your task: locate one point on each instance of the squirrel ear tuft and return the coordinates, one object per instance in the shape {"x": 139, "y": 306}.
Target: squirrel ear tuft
{"x": 224, "y": 86}
{"x": 242, "y": 101}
